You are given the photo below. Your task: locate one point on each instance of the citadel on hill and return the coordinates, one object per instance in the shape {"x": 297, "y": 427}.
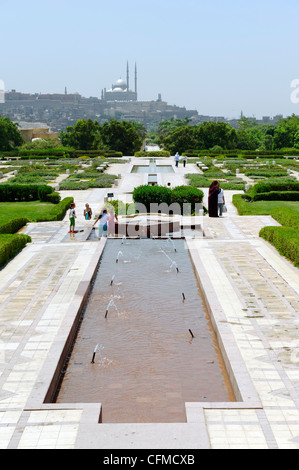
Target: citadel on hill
{"x": 119, "y": 102}
{"x": 61, "y": 110}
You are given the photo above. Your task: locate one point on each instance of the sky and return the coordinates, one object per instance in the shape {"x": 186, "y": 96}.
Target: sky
{"x": 219, "y": 57}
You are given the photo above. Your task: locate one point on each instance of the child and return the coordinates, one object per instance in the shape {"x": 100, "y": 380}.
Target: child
{"x": 72, "y": 217}
{"x": 103, "y": 218}
{"x": 87, "y": 212}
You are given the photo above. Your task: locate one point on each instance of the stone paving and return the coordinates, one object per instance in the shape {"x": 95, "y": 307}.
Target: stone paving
{"x": 251, "y": 293}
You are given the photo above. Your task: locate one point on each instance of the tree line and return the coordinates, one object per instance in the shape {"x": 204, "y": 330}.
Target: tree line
{"x": 174, "y": 135}
{"x": 177, "y": 135}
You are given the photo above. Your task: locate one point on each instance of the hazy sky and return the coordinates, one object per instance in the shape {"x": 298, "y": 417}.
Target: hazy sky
{"x": 216, "y": 56}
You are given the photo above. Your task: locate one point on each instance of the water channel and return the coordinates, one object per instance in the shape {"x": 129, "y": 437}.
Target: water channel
{"x": 145, "y": 345}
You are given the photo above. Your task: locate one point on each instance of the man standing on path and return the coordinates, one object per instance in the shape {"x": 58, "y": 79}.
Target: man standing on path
{"x": 177, "y": 158}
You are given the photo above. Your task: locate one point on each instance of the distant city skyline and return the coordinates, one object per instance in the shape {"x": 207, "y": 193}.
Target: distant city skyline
{"x": 219, "y": 57}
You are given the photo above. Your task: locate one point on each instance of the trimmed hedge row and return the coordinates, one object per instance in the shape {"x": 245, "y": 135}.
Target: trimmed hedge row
{"x": 285, "y": 240}
{"x": 157, "y": 153}
{"x": 286, "y": 216}
{"x": 264, "y": 188}
{"x": 10, "y": 245}
{"x": 14, "y": 225}
{"x": 28, "y": 192}
{"x": 59, "y": 210}
{"x": 277, "y": 196}
{"x": 181, "y": 195}
{"x": 54, "y": 153}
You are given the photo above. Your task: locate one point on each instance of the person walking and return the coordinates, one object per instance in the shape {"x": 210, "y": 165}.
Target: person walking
{"x": 184, "y": 160}
{"x": 177, "y": 159}
{"x": 103, "y": 218}
{"x": 221, "y": 201}
{"x": 213, "y": 199}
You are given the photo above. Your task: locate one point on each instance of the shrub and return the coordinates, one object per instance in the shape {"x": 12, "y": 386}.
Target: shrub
{"x": 25, "y": 192}
{"x": 148, "y": 195}
{"x": 14, "y": 225}
{"x": 273, "y": 186}
{"x": 158, "y": 153}
{"x": 266, "y": 173}
{"x": 58, "y": 211}
{"x": 187, "y": 195}
{"x": 277, "y": 196}
{"x": 101, "y": 181}
{"x": 10, "y": 245}
{"x": 283, "y": 185}
{"x": 43, "y": 192}
{"x": 286, "y": 216}
{"x": 53, "y": 197}
{"x": 285, "y": 240}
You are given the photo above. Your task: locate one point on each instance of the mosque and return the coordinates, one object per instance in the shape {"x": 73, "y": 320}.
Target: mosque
{"x": 120, "y": 90}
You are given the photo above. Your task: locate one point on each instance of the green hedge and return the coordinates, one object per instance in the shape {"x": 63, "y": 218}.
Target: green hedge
{"x": 59, "y": 210}
{"x": 283, "y": 186}
{"x": 148, "y": 195}
{"x": 181, "y": 195}
{"x": 201, "y": 181}
{"x": 266, "y": 173}
{"x": 10, "y": 245}
{"x": 14, "y": 225}
{"x": 26, "y": 192}
{"x": 157, "y": 153}
{"x": 277, "y": 196}
{"x": 52, "y": 153}
{"x": 286, "y": 216}
{"x": 285, "y": 240}
{"x": 272, "y": 186}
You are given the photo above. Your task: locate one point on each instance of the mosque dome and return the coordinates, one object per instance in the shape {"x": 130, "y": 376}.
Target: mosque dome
{"x": 117, "y": 89}
{"x": 120, "y": 84}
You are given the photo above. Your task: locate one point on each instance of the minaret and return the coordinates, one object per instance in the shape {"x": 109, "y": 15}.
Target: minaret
{"x": 128, "y": 83}
{"x": 136, "y": 79}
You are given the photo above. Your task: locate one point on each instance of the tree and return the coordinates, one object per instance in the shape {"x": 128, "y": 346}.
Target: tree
{"x": 284, "y": 134}
{"x": 121, "y": 136}
{"x": 10, "y": 135}
{"x": 84, "y": 135}
{"x": 181, "y": 139}
{"x": 296, "y": 140}
{"x": 167, "y": 127}
{"x": 141, "y": 130}
{"x": 246, "y": 141}
{"x": 217, "y": 133}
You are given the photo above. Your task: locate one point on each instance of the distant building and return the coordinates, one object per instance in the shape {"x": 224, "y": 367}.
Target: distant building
{"x": 120, "y": 90}
{"x": 36, "y": 131}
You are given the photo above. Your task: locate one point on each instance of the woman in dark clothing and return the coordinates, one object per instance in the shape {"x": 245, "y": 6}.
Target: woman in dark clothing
{"x": 213, "y": 199}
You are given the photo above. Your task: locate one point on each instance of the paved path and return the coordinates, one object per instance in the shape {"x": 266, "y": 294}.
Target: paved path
{"x": 251, "y": 290}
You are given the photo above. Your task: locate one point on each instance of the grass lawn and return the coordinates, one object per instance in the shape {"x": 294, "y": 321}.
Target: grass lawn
{"x": 261, "y": 207}
{"x": 33, "y": 211}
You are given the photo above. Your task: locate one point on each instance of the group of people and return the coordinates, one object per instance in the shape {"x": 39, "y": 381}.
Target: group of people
{"x": 106, "y": 220}
{"x": 177, "y": 159}
{"x": 216, "y": 200}
{"x": 216, "y": 207}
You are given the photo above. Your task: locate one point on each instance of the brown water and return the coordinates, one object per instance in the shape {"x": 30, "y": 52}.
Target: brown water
{"x": 149, "y": 365}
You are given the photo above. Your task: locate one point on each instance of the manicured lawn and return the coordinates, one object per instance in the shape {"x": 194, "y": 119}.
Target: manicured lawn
{"x": 33, "y": 211}
{"x": 261, "y": 207}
